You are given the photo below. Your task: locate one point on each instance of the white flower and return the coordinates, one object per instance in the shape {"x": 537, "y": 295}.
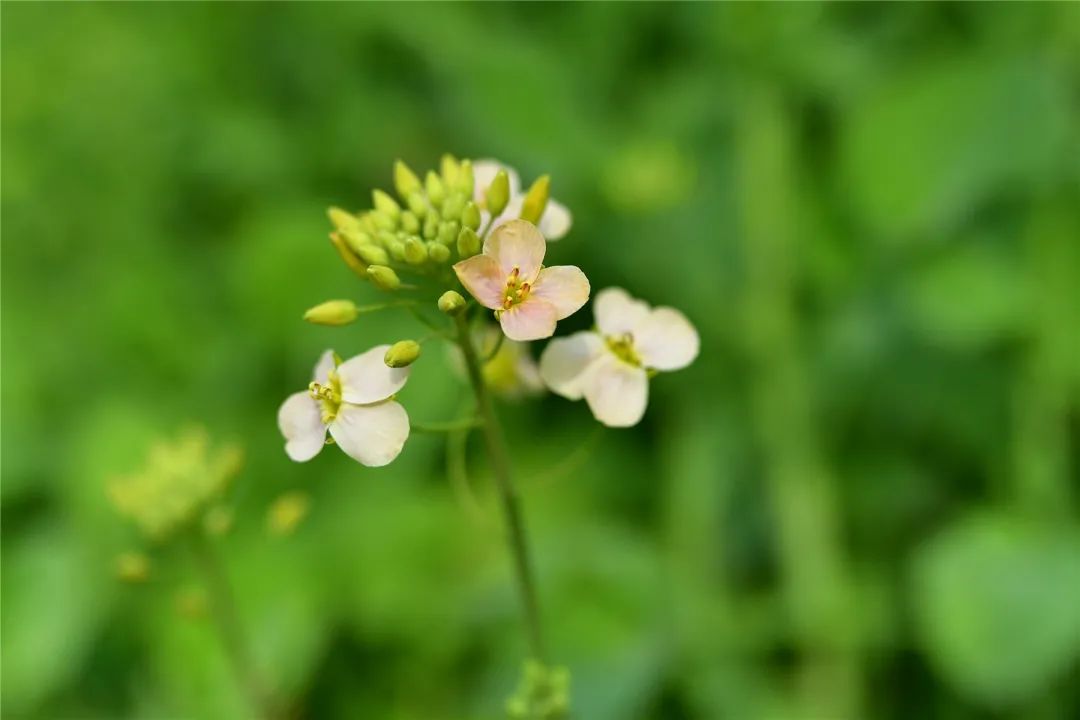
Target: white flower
{"x": 509, "y": 277}
{"x": 354, "y": 400}
{"x": 610, "y": 366}
{"x": 554, "y": 223}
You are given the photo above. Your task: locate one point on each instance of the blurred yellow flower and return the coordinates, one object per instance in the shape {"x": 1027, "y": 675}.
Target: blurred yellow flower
{"x": 287, "y": 512}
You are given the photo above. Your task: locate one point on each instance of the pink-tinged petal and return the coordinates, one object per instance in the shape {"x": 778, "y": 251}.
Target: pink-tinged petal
{"x": 665, "y": 340}
{"x": 517, "y": 244}
{"x": 484, "y": 171}
{"x": 533, "y": 319}
{"x": 366, "y": 379}
{"x": 300, "y": 422}
{"x": 373, "y": 435}
{"x": 564, "y": 286}
{"x": 323, "y": 367}
{"x": 565, "y": 362}
{"x": 616, "y": 392}
{"x": 556, "y": 220}
{"x": 617, "y": 313}
{"x": 484, "y": 279}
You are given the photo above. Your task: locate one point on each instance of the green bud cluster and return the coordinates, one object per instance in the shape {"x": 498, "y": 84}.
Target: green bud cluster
{"x": 429, "y": 224}
{"x": 542, "y": 694}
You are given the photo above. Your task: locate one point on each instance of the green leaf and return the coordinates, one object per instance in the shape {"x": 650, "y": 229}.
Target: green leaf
{"x": 997, "y": 603}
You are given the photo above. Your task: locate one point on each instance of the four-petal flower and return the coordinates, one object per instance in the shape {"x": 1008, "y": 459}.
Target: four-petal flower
{"x": 355, "y": 402}
{"x": 610, "y": 366}
{"x": 509, "y": 277}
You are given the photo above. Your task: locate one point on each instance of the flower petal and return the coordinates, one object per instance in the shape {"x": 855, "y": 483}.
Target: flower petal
{"x": 517, "y": 244}
{"x": 300, "y": 421}
{"x": 483, "y": 278}
{"x": 366, "y": 379}
{"x": 617, "y": 392}
{"x": 323, "y": 367}
{"x": 531, "y": 320}
{"x": 617, "y": 313}
{"x": 565, "y": 362}
{"x": 564, "y": 286}
{"x": 373, "y": 435}
{"x": 556, "y": 220}
{"x": 665, "y": 340}
{"x": 484, "y": 171}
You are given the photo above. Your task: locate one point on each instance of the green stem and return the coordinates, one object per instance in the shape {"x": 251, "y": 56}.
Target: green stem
{"x": 447, "y": 425}
{"x": 500, "y": 465}
{"x": 227, "y": 621}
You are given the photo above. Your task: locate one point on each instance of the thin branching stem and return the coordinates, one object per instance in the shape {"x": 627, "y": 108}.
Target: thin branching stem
{"x": 511, "y": 506}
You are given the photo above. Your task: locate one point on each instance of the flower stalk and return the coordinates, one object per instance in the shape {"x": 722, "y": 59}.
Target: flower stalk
{"x": 511, "y": 505}
{"x": 227, "y": 623}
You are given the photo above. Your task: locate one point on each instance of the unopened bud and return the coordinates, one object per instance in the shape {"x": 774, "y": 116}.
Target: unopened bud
{"x": 498, "y": 193}
{"x": 356, "y": 239}
{"x": 410, "y": 223}
{"x": 385, "y": 204}
{"x": 132, "y": 567}
{"x": 448, "y": 167}
{"x": 436, "y": 189}
{"x": 448, "y": 230}
{"x": 453, "y": 205}
{"x": 468, "y": 243}
{"x": 342, "y": 220}
{"x": 451, "y": 302}
{"x": 332, "y": 312}
{"x": 384, "y": 277}
{"x": 418, "y": 204}
{"x": 470, "y": 215}
{"x": 431, "y": 226}
{"x": 373, "y": 254}
{"x": 415, "y": 251}
{"x": 383, "y": 221}
{"x": 465, "y": 180}
{"x": 347, "y": 255}
{"x": 405, "y": 180}
{"x": 402, "y": 354}
{"x": 438, "y": 252}
{"x": 536, "y": 199}
{"x": 287, "y": 512}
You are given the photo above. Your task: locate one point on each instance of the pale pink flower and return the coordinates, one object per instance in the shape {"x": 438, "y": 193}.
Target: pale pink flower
{"x": 555, "y": 221}
{"x": 509, "y": 277}
{"x": 355, "y": 402}
{"x": 610, "y": 366}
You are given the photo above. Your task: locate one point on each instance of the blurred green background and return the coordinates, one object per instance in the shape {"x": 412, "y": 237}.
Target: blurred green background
{"x": 860, "y": 501}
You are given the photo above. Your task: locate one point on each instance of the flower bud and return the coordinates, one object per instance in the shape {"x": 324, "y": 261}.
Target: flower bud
{"x": 436, "y": 189}
{"x": 448, "y": 167}
{"x": 451, "y": 302}
{"x": 373, "y": 255}
{"x": 287, "y": 512}
{"x": 498, "y": 193}
{"x": 132, "y": 567}
{"x": 356, "y": 239}
{"x": 383, "y": 221}
{"x": 342, "y": 220}
{"x": 410, "y": 223}
{"x": 453, "y": 205}
{"x": 402, "y": 354}
{"x": 385, "y": 204}
{"x": 468, "y": 243}
{"x": 384, "y": 277}
{"x": 438, "y": 252}
{"x": 418, "y": 204}
{"x": 347, "y": 255}
{"x": 332, "y": 312}
{"x": 415, "y": 251}
{"x": 405, "y": 180}
{"x": 431, "y": 226}
{"x": 536, "y": 199}
{"x": 470, "y": 215}
{"x": 367, "y": 223}
{"x": 448, "y": 230}
{"x": 396, "y": 248}
{"x": 465, "y": 180}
